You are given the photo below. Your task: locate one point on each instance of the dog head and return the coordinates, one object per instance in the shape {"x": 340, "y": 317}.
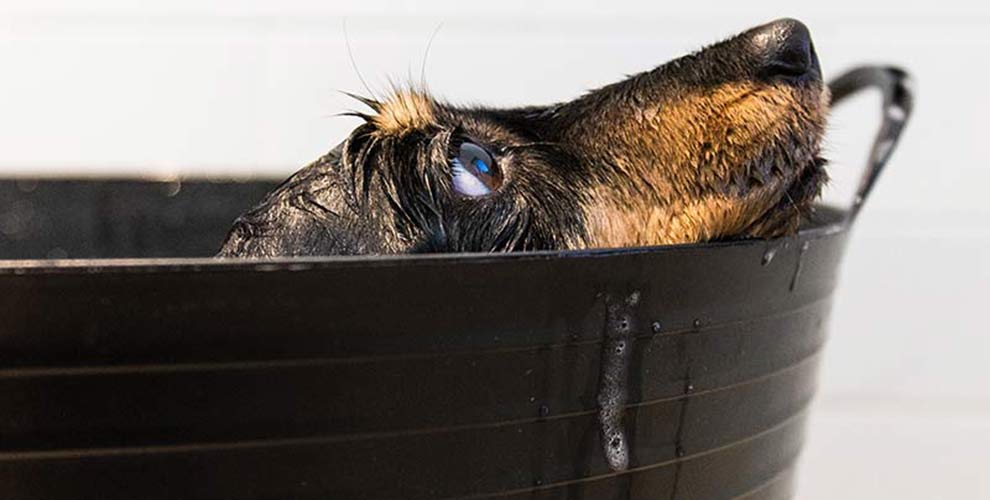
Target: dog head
{"x": 721, "y": 143}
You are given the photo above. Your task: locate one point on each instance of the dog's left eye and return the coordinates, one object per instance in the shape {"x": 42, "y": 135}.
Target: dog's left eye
{"x": 474, "y": 171}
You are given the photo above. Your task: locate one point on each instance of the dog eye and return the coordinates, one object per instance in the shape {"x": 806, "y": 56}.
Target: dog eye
{"x": 474, "y": 171}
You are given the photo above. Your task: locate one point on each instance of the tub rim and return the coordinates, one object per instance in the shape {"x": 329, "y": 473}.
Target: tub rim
{"x": 829, "y": 220}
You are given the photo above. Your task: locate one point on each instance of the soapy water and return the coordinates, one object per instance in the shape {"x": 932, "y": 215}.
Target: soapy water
{"x": 613, "y": 385}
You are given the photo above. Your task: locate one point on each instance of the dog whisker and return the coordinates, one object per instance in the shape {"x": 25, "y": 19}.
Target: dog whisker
{"x": 426, "y": 55}
{"x": 714, "y": 145}
{"x": 350, "y": 55}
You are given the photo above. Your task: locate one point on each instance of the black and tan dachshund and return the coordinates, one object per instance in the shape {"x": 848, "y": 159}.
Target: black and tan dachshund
{"x": 719, "y": 144}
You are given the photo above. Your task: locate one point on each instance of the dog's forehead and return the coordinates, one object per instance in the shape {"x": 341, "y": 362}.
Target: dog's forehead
{"x": 493, "y": 126}
{"x": 407, "y": 111}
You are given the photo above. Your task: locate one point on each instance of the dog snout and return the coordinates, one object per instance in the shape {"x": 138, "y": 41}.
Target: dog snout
{"x": 783, "y": 49}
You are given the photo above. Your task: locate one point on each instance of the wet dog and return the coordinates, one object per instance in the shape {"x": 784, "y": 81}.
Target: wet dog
{"x": 722, "y": 143}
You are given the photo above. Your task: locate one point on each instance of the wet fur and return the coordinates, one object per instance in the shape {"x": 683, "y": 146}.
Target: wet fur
{"x": 702, "y": 148}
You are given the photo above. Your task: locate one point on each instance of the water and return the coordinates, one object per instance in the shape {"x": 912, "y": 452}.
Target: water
{"x": 172, "y": 188}
{"x": 768, "y": 256}
{"x": 799, "y": 264}
{"x": 544, "y": 411}
{"x": 613, "y": 385}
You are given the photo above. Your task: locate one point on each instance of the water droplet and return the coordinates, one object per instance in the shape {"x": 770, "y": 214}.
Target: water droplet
{"x": 680, "y": 452}
{"x": 657, "y": 327}
{"x": 799, "y": 264}
{"x": 768, "y": 256}
{"x": 883, "y": 150}
{"x": 172, "y": 188}
{"x": 696, "y": 324}
{"x": 544, "y": 411}
{"x": 689, "y": 388}
{"x": 538, "y": 482}
{"x": 896, "y": 113}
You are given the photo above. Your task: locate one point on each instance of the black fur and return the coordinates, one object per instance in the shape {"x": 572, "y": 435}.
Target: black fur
{"x": 391, "y": 193}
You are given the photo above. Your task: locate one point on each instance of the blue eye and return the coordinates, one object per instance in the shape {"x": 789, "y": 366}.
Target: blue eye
{"x": 481, "y": 166}
{"x": 474, "y": 172}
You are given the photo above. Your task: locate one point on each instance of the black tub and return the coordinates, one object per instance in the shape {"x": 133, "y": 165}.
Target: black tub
{"x": 172, "y": 375}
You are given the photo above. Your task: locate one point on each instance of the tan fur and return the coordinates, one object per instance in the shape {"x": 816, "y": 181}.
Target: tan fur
{"x": 614, "y": 225}
{"x": 404, "y": 111}
{"x": 698, "y": 186}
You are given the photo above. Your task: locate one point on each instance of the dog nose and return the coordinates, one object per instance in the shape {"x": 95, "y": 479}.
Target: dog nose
{"x": 784, "y": 49}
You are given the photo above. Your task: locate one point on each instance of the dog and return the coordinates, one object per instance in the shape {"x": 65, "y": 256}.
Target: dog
{"x": 719, "y": 144}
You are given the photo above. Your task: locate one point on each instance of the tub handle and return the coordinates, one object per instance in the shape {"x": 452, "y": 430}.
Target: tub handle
{"x": 898, "y": 100}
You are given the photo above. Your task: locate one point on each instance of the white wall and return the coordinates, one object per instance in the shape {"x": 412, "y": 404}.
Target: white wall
{"x": 250, "y": 88}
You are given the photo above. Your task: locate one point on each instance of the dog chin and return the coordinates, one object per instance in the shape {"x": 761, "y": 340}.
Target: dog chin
{"x": 795, "y": 205}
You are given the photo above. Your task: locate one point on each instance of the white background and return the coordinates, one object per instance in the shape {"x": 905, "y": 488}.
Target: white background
{"x": 225, "y": 88}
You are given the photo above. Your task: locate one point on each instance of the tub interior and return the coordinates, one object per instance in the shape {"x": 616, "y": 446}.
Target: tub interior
{"x": 43, "y": 219}
{"x": 120, "y": 218}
